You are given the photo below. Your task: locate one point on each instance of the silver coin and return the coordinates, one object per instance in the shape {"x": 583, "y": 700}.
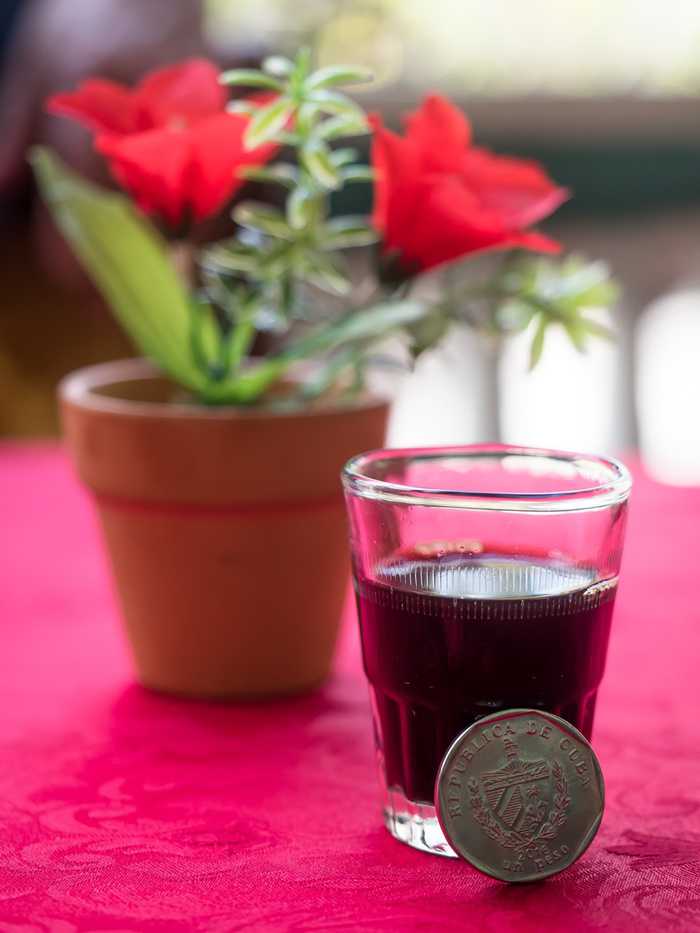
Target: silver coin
{"x": 520, "y": 795}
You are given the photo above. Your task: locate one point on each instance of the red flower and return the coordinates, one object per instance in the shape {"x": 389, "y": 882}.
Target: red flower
{"x": 169, "y": 140}
{"x": 437, "y": 197}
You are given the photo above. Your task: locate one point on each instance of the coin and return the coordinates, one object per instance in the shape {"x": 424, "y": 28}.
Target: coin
{"x": 520, "y": 795}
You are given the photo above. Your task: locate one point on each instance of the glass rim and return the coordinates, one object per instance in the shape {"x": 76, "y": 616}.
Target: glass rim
{"x": 612, "y": 489}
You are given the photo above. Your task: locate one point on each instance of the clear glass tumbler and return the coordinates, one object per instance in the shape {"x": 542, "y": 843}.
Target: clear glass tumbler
{"x": 485, "y": 580}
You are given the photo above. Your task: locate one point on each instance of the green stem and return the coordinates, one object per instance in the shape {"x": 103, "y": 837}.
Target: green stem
{"x": 240, "y": 342}
{"x": 198, "y": 356}
{"x": 402, "y": 291}
{"x": 499, "y": 295}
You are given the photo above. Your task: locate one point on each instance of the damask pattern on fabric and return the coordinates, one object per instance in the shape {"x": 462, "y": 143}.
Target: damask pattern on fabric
{"x": 122, "y": 810}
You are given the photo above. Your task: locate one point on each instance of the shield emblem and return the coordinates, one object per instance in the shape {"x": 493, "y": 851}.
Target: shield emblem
{"x": 518, "y": 795}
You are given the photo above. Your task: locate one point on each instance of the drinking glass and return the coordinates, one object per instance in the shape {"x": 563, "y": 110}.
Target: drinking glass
{"x": 485, "y": 579}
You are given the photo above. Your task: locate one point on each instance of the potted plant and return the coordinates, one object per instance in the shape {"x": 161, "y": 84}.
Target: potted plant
{"x": 215, "y": 462}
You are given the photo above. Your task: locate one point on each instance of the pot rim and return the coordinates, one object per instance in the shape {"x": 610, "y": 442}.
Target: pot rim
{"x": 79, "y": 388}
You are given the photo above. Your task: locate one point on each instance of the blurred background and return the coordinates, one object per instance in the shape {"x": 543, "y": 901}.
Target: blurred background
{"x": 605, "y": 93}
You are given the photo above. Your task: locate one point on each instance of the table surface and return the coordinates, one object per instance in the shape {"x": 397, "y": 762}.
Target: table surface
{"x": 124, "y": 810}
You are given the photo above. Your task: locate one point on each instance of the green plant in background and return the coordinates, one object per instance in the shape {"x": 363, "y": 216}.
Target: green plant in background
{"x": 535, "y": 294}
{"x": 285, "y": 272}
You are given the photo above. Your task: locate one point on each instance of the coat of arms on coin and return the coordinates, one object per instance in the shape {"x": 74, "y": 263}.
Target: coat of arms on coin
{"x": 520, "y": 795}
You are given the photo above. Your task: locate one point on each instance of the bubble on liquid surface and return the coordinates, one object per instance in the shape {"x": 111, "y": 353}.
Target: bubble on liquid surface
{"x": 487, "y": 576}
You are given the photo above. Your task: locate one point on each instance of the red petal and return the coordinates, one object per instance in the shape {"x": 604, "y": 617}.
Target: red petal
{"x": 396, "y": 162}
{"x": 168, "y": 171}
{"x": 103, "y": 106}
{"x": 437, "y": 199}
{"x": 450, "y": 225}
{"x": 217, "y": 157}
{"x": 537, "y": 242}
{"x": 519, "y": 190}
{"x": 441, "y": 131}
{"x": 454, "y": 223}
{"x": 152, "y": 167}
{"x": 183, "y": 93}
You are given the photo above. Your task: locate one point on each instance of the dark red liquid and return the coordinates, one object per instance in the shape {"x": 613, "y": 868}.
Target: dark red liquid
{"x": 438, "y": 660}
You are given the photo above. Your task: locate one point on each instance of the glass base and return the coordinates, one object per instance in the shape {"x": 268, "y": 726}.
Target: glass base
{"x": 414, "y": 823}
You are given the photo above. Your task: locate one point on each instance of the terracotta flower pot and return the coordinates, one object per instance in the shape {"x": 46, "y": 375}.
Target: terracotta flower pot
{"x": 225, "y": 528}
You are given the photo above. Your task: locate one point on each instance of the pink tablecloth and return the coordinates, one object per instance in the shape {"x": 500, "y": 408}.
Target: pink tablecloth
{"x": 121, "y": 810}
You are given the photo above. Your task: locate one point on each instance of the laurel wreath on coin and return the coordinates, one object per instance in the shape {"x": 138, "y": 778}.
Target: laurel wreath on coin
{"x": 511, "y": 838}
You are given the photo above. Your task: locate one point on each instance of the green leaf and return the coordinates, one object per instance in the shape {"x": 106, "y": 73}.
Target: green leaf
{"x": 335, "y": 75}
{"x": 279, "y": 174}
{"x": 333, "y": 103}
{"x": 262, "y": 218}
{"x": 345, "y": 232}
{"x": 257, "y": 263}
{"x": 555, "y": 291}
{"x": 285, "y": 138}
{"x": 322, "y": 272}
{"x": 249, "y": 77}
{"x": 537, "y": 345}
{"x": 576, "y": 334}
{"x": 316, "y": 159}
{"x": 324, "y": 378}
{"x": 368, "y": 324}
{"x": 344, "y": 156}
{"x": 241, "y": 337}
{"x": 301, "y": 207}
{"x": 249, "y": 384}
{"x": 128, "y": 261}
{"x": 519, "y": 278}
{"x": 275, "y": 261}
{"x": 582, "y": 284}
{"x": 268, "y": 122}
{"x": 570, "y": 285}
{"x": 307, "y": 118}
{"x": 243, "y": 107}
{"x": 357, "y": 173}
{"x": 429, "y": 330}
{"x": 278, "y": 65}
{"x": 237, "y": 258}
{"x": 602, "y": 294}
{"x": 302, "y": 63}
{"x": 205, "y": 334}
{"x": 287, "y": 292}
{"x": 512, "y": 316}
{"x": 597, "y": 329}
{"x": 343, "y": 125}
